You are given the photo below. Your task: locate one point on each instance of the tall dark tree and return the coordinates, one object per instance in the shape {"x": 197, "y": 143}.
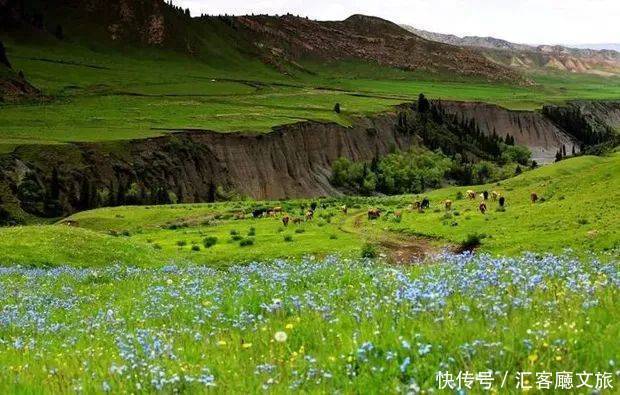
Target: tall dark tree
{"x": 3, "y": 59}
{"x": 423, "y": 104}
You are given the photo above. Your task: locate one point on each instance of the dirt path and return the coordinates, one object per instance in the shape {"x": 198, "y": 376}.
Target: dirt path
{"x": 399, "y": 249}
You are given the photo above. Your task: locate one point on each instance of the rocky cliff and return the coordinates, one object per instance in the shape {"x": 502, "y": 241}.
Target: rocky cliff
{"x": 292, "y": 161}
{"x": 529, "y": 128}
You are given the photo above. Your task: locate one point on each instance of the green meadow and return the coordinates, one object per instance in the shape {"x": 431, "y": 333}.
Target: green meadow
{"x": 577, "y": 209}
{"x": 96, "y": 94}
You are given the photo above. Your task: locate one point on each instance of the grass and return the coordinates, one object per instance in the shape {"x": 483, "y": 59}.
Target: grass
{"x": 104, "y": 94}
{"x": 579, "y": 211}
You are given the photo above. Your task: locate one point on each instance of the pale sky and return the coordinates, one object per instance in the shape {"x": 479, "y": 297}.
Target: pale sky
{"x": 521, "y": 21}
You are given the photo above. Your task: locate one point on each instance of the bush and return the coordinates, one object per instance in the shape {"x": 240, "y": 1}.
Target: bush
{"x": 181, "y": 243}
{"x": 299, "y": 230}
{"x": 246, "y": 242}
{"x": 459, "y": 195}
{"x": 209, "y": 241}
{"x": 473, "y": 240}
{"x": 236, "y": 237}
{"x": 333, "y": 237}
{"x": 369, "y": 251}
{"x": 195, "y": 248}
{"x": 252, "y": 231}
{"x": 288, "y": 238}
{"x": 234, "y": 232}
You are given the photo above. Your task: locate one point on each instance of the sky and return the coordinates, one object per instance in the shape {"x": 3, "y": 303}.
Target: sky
{"x": 521, "y": 21}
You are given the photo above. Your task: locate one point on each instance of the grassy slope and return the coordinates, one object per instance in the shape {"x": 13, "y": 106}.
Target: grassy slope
{"x": 580, "y": 211}
{"x": 104, "y": 94}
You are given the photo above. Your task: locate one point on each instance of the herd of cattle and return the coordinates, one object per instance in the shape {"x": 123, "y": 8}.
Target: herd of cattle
{"x": 375, "y": 213}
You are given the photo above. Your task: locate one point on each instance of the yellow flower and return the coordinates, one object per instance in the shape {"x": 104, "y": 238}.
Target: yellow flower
{"x": 533, "y": 358}
{"x": 289, "y": 326}
{"x": 221, "y": 343}
{"x": 558, "y": 358}
{"x": 247, "y": 345}
{"x": 280, "y": 336}
{"x": 332, "y": 358}
{"x": 206, "y": 302}
{"x": 169, "y": 281}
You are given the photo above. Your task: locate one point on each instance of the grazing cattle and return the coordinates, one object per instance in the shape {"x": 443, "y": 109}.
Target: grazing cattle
{"x": 485, "y": 195}
{"x": 502, "y": 201}
{"x": 425, "y": 203}
{"x": 277, "y": 210}
{"x": 259, "y": 212}
{"x": 309, "y": 215}
{"x": 483, "y": 207}
{"x": 534, "y": 197}
{"x": 398, "y": 214}
{"x": 297, "y": 220}
{"x": 285, "y": 220}
{"x": 471, "y": 194}
{"x": 239, "y": 215}
{"x": 448, "y": 204}
{"x": 374, "y": 213}
{"x": 344, "y": 209}
{"x": 495, "y": 195}
{"x": 271, "y": 213}
{"x": 417, "y": 205}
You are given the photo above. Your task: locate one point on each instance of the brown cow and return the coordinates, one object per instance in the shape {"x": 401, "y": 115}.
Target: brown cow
{"x": 374, "y": 213}
{"x": 285, "y": 220}
{"x": 471, "y": 194}
{"x": 344, "y": 209}
{"x": 277, "y": 210}
{"x": 483, "y": 207}
{"x": 398, "y": 214}
{"x": 534, "y": 197}
{"x": 448, "y": 204}
{"x": 495, "y": 195}
{"x": 309, "y": 215}
{"x": 297, "y": 220}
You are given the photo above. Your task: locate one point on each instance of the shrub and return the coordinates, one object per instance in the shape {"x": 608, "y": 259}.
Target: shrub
{"x": 252, "y": 231}
{"x": 369, "y": 251}
{"x": 236, "y": 237}
{"x": 181, "y": 243}
{"x": 195, "y": 248}
{"x": 459, "y": 195}
{"x": 234, "y": 232}
{"x": 288, "y": 238}
{"x": 156, "y": 246}
{"x": 209, "y": 241}
{"x": 333, "y": 237}
{"x": 246, "y": 242}
{"x": 299, "y": 230}
{"x": 472, "y": 241}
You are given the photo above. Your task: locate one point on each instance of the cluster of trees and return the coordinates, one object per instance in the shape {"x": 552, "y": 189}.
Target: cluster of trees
{"x": 416, "y": 170}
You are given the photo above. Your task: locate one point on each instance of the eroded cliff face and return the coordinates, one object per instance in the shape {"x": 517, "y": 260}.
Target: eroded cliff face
{"x": 292, "y": 161}
{"x": 529, "y": 128}
{"x": 192, "y": 166}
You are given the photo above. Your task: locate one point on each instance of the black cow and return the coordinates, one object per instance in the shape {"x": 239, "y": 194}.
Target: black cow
{"x": 425, "y": 203}
{"x": 259, "y": 212}
{"x": 486, "y": 195}
{"x": 502, "y": 201}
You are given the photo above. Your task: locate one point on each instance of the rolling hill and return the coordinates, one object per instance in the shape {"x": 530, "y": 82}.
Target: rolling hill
{"x": 600, "y": 61}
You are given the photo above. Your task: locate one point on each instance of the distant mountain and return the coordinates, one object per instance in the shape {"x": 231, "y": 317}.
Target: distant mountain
{"x": 608, "y": 46}
{"x": 543, "y": 57}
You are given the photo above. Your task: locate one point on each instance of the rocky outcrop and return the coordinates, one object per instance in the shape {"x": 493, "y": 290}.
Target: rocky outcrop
{"x": 292, "y": 161}
{"x": 192, "y": 166}
{"x": 529, "y": 128}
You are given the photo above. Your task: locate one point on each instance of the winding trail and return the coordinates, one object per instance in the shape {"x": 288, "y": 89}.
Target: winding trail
{"x": 399, "y": 248}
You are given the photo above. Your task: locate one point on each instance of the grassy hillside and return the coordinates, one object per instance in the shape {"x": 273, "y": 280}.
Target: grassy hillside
{"x": 110, "y": 93}
{"x": 579, "y": 211}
